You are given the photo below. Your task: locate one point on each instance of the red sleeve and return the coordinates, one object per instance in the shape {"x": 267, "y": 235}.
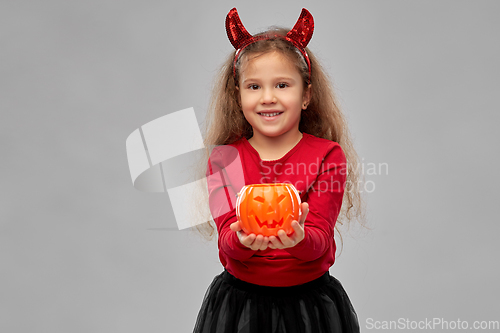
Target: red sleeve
{"x": 225, "y": 179}
{"x": 325, "y": 201}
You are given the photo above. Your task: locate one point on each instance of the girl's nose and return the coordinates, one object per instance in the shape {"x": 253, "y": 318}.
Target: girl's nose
{"x": 267, "y": 96}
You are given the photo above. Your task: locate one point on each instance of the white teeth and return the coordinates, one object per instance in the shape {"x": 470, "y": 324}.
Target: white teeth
{"x": 270, "y": 114}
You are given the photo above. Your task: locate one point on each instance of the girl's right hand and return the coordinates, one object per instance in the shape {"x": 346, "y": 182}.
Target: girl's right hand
{"x": 251, "y": 241}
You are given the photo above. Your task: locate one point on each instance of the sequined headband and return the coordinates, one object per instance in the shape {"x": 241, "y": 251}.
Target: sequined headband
{"x": 299, "y": 36}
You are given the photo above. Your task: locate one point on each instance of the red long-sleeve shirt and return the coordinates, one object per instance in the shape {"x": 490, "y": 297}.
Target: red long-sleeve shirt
{"x": 317, "y": 168}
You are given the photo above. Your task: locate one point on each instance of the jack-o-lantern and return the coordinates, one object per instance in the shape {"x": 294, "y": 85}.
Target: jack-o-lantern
{"x": 266, "y": 208}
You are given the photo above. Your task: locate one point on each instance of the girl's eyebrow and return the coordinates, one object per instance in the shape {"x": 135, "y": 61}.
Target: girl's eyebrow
{"x": 285, "y": 78}
{"x": 281, "y": 78}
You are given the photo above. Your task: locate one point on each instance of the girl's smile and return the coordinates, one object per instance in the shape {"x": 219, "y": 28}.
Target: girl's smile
{"x": 270, "y": 114}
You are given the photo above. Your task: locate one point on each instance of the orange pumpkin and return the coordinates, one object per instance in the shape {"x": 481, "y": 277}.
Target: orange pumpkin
{"x": 266, "y": 208}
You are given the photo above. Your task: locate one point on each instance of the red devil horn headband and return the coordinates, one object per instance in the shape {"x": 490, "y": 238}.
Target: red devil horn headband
{"x": 299, "y": 36}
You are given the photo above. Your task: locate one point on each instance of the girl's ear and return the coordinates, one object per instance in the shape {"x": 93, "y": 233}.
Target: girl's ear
{"x": 306, "y": 99}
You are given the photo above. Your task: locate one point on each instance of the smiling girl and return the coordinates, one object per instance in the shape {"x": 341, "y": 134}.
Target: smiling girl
{"x": 274, "y": 105}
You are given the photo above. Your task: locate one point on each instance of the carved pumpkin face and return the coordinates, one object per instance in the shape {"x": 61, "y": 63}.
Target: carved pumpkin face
{"x": 266, "y": 208}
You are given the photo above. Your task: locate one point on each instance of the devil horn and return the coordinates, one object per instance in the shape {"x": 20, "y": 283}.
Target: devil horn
{"x": 236, "y": 32}
{"x": 302, "y": 31}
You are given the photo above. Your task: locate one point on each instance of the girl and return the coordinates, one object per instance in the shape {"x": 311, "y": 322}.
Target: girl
{"x": 273, "y": 105}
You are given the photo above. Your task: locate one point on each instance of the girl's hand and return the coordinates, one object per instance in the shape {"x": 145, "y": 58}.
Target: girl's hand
{"x": 251, "y": 241}
{"x": 284, "y": 241}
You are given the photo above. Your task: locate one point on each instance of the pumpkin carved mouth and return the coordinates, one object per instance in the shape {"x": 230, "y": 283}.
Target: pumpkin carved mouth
{"x": 273, "y": 224}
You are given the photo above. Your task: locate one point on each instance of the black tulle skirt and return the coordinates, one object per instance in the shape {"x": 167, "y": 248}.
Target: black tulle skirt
{"x": 231, "y": 305}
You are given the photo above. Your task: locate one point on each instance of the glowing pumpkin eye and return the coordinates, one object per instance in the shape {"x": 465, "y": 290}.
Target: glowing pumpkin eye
{"x": 281, "y": 197}
{"x": 259, "y": 199}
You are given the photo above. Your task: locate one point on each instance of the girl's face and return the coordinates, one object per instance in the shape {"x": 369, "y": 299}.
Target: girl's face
{"x": 270, "y": 84}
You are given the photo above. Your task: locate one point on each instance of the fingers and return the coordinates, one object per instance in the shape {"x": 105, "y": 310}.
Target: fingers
{"x": 305, "y": 211}
{"x": 284, "y": 241}
{"x": 260, "y": 243}
{"x": 265, "y": 242}
{"x": 245, "y": 239}
{"x": 252, "y": 241}
{"x": 298, "y": 229}
{"x": 275, "y": 243}
{"x": 235, "y": 226}
{"x": 288, "y": 241}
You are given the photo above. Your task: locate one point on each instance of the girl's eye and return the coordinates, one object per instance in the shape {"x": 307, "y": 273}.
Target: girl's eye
{"x": 282, "y": 85}
{"x": 253, "y": 87}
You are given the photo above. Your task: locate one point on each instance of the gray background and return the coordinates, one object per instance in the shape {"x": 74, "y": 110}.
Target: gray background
{"x": 82, "y": 251}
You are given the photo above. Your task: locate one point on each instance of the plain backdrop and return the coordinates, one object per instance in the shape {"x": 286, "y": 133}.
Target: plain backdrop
{"x": 82, "y": 251}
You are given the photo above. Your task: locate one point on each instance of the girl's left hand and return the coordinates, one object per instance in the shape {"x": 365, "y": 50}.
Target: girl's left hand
{"x": 285, "y": 241}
